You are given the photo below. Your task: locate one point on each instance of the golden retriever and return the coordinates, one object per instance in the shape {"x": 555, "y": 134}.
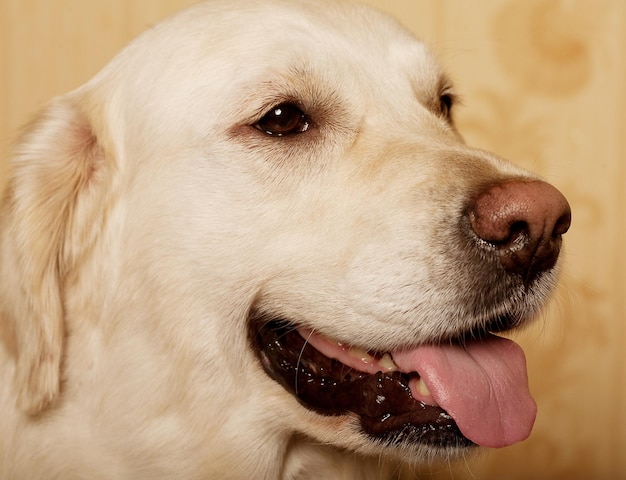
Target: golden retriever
{"x": 255, "y": 246}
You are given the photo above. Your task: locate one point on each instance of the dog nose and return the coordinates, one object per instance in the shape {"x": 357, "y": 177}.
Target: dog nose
{"x": 524, "y": 221}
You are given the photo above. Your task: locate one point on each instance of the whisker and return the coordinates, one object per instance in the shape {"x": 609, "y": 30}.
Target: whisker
{"x": 306, "y": 341}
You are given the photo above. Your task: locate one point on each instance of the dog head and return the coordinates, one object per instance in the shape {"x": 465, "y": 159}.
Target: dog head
{"x": 272, "y": 197}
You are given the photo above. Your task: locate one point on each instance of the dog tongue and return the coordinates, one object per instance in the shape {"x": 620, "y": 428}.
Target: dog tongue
{"x": 483, "y": 385}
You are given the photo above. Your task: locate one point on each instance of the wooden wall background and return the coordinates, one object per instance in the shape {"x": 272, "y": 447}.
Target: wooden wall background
{"x": 544, "y": 83}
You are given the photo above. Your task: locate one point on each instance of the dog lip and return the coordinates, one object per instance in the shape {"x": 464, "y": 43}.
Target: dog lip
{"x": 382, "y": 401}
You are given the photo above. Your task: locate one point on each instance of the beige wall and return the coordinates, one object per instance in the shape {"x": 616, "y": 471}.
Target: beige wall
{"x": 544, "y": 83}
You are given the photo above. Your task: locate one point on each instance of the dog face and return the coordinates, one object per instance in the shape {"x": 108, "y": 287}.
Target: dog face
{"x": 263, "y": 212}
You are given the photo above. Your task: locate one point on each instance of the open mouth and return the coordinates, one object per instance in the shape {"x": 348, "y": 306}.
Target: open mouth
{"x": 453, "y": 395}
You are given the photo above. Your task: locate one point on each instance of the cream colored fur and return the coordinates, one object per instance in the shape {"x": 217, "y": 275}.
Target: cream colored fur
{"x": 145, "y": 217}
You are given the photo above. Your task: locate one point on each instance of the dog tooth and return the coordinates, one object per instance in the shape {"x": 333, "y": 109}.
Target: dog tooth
{"x": 387, "y": 363}
{"x": 422, "y": 388}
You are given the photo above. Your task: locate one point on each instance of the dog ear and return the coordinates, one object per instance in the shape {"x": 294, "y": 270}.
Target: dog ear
{"x": 55, "y": 190}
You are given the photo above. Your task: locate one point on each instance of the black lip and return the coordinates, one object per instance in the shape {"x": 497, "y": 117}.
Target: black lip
{"x": 382, "y": 401}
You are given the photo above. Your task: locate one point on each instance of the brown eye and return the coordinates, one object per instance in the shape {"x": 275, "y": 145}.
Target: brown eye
{"x": 283, "y": 119}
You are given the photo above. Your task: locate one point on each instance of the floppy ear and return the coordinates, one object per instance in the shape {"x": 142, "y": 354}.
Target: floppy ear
{"x": 49, "y": 222}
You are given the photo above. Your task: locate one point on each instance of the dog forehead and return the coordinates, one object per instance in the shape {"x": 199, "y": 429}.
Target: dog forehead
{"x": 240, "y": 38}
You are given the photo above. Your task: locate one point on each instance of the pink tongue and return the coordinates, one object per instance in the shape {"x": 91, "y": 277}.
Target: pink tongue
{"x": 483, "y": 386}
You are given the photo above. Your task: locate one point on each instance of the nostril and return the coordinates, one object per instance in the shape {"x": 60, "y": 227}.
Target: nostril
{"x": 518, "y": 233}
{"x": 523, "y": 220}
{"x": 562, "y": 224}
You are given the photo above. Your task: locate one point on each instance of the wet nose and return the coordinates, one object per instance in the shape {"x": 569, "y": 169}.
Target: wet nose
{"x": 523, "y": 220}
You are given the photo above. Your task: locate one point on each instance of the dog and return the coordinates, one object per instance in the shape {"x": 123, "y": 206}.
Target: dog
{"x": 255, "y": 246}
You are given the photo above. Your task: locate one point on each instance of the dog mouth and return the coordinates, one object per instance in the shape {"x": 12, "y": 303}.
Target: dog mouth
{"x": 453, "y": 395}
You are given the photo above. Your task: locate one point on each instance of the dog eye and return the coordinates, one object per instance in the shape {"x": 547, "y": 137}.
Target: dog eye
{"x": 283, "y": 119}
{"x": 446, "y": 100}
